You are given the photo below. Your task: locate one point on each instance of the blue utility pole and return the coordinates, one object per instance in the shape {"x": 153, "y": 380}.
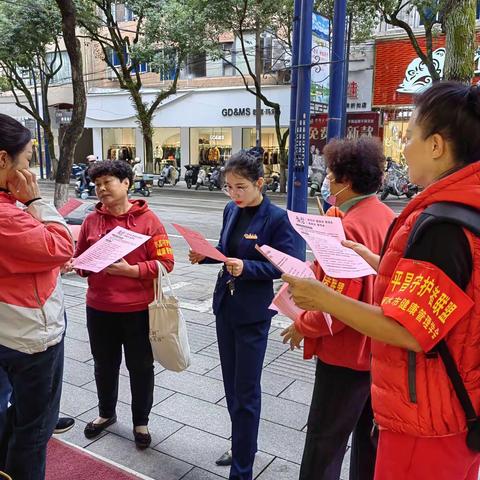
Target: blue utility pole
{"x": 302, "y": 123}
{"x": 293, "y": 100}
{"x": 337, "y": 72}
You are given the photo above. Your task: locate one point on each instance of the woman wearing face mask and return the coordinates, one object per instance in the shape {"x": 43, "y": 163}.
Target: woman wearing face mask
{"x": 426, "y": 300}
{"x": 241, "y": 299}
{"x": 341, "y": 398}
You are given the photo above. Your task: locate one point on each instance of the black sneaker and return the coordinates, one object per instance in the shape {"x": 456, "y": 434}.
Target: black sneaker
{"x": 64, "y": 424}
{"x": 225, "y": 460}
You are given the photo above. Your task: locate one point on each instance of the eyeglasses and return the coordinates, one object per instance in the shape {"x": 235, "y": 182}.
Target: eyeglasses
{"x": 241, "y": 190}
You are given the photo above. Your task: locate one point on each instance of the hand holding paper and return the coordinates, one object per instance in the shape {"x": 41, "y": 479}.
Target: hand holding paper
{"x": 199, "y": 244}
{"x": 286, "y": 263}
{"x": 324, "y": 236}
{"x": 112, "y": 247}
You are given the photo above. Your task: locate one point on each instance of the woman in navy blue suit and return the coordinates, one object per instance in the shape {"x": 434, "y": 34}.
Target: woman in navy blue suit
{"x": 243, "y": 293}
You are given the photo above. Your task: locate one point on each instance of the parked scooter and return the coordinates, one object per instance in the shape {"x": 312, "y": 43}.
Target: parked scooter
{"x": 203, "y": 179}
{"x": 272, "y": 182}
{"x": 191, "y": 175}
{"x": 215, "y": 181}
{"x": 396, "y": 181}
{"x": 170, "y": 175}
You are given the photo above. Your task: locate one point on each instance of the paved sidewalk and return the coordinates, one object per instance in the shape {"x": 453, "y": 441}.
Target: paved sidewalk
{"x": 189, "y": 421}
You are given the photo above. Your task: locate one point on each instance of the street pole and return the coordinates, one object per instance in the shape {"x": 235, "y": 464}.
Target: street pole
{"x": 293, "y": 100}
{"x": 337, "y": 72}
{"x": 45, "y": 116}
{"x": 40, "y": 154}
{"x": 347, "y": 66}
{"x": 258, "y": 75}
{"x": 302, "y": 123}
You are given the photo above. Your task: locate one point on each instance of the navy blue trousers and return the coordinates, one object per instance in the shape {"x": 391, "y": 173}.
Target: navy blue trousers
{"x": 242, "y": 351}
{"x": 340, "y": 405}
{"x": 36, "y": 381}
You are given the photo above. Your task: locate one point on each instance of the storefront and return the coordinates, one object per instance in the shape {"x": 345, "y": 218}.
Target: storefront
{"x": 398, "y": 75}
{"x": 203, "y": 126}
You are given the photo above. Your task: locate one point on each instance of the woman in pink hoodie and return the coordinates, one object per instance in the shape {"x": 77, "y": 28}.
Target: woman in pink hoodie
{"x": 118, "y": 298}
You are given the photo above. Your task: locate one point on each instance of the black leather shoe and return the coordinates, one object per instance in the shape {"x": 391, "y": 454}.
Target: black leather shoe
{"x": 94, "y": 429}
{"x": 142, "y": 440}
{"x": 225, "y": 460}
{"x": 64, "y": 424}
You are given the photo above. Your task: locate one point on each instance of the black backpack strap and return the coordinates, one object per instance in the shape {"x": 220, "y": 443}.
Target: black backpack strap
{"x": 465, "y": 217}
{"x": 457, "y": 382}
{"x": 445, "y": 212}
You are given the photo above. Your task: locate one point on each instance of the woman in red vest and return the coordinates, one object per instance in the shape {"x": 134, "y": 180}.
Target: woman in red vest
{"x": 341, "y": 397}
{"x": 427, "y": 294}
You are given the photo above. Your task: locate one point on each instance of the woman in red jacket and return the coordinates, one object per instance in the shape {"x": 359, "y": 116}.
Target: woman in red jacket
{"x": 427, "y": 294}
{"x": 118, "y": 298}
{"x": 341, "y": 398}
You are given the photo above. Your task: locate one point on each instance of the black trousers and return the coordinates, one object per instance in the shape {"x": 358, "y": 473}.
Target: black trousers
{"x": 108, "y": 332}
{"x": 340, "y": 405}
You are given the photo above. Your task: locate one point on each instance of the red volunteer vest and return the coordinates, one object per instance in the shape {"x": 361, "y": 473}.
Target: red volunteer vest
{"x": 436, "y": 410}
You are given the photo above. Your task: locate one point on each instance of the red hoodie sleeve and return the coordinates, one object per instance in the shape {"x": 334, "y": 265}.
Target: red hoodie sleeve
{"x": 158, "y": 249}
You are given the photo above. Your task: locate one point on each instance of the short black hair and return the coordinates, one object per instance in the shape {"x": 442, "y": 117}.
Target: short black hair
{"x": 357, "y": 161}
{"x": 114, "y": 168}
{"x": 14, "y": 137}
{"x": 246, "y": 165}
{"x": 452, "y": 110}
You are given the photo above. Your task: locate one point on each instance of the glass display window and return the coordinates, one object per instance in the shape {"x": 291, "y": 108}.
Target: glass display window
{"x": 118, "y": 143}
{"x": 210, "y": 146}
{"x": 166, "y": 148}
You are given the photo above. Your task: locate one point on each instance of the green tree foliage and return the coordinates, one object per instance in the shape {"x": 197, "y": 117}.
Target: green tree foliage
{"x": 30, "y": 49}
{"x": 163, "y": 36}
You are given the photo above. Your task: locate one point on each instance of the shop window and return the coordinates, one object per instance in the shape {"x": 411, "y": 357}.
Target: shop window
{"x": 118, "y": 143}
{"x": 269, "y": 144}
{"x": 166, "y": 148}
{"x": 210, "y": 146}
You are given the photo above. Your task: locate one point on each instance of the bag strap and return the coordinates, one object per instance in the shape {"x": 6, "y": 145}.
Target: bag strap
{"x": 457, "y": 382}
{"x": 158, "y": 288}
{"x": 466, "y": 217}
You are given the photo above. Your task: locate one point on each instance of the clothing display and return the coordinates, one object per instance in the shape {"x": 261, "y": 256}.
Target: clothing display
{"x": 214, "y": 154}
{"x": 121, "y": 152}
{"x": 164, "y": 153}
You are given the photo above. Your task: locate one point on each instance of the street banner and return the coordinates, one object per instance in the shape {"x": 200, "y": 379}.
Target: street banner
{"x": 320, "y": 86}
{"x": 324, "y": 236}
{"x": 199, "y": 244}
{"x": 111, "y": 248}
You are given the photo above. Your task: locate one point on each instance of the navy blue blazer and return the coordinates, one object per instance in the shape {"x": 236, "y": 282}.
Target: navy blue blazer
{"x": 253, "y": 292}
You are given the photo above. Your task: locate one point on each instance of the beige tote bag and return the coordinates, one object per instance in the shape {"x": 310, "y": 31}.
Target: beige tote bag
{"x": 168, "y": 329}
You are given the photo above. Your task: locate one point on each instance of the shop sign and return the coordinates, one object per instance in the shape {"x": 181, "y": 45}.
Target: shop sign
{"x": 245, "y": 112}
{"x": 217, "y": 137}
{"x": 63, "y": 116}
{"x": 417, "y": 76}
{"x": 358, "y": 125}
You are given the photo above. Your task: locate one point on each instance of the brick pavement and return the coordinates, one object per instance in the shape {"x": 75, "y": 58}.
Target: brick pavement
{"x": 189, "y": 421}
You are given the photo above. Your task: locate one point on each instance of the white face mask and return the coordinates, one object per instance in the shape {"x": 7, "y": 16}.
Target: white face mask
{"x": 327, "y": 194}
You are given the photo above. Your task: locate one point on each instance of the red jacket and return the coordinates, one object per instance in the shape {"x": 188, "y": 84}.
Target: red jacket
{"x": 35, "y": 242}
{"x": 437, "y": 411}
{"x": 367, "y": 223}
{"x": 111, "y": 293}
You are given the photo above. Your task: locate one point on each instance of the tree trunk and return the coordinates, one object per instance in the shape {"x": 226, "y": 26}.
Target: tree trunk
{"x": 459, "y": 23}
{"x": 282, "y": 157}
{"x": 148, "y": 141}
{"x": 74, "y": 129}
{"x": 51, "y": 150}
